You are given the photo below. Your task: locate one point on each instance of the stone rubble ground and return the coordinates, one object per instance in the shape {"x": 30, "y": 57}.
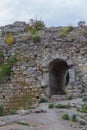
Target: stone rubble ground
{"x": 43, "y": 118}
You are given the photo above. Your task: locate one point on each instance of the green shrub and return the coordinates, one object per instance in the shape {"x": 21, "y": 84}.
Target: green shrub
{"x": 65, "y": 116}
{"x": 1, "y": 57}
{"x": 83, "y": 109}
{"x": 31, "y": 29}
{"x": 62, "y": 106}
{"x": 36, "y": 38}
{"x": 13, "y": 111}
{"x": 27, "y": 59}
{"x": 84, "y": 99}
{"x": 12, "y": 61}
{"x": 74, "y": 118}
{"x": 9, "y": 39}
{"x": 1, "y": 110}
{"x": 51, "y": 105}
{"x": 36, "y": 24}
{"x": 26, "y": 101}
{"x": 70, "y": 28}
{"x": 82, "y": 90}
{"x": 5, "y": 69}
{"x": 65, "y": 31}
{"x": 43, "y": 100}
{"x": 69, "y": 97}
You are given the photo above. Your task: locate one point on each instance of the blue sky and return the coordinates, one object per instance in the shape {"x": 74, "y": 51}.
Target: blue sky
{"x": 52, "y": 12}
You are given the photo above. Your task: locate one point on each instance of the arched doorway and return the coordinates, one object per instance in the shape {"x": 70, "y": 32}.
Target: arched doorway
{"x": 58, "y": 76}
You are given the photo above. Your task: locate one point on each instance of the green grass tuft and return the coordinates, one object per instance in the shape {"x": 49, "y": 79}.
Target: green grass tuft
{"x": 69, "y": 97}
{"x": 62, "y": 106}
{"x": 13, "y": 111}
{"x": 1, "y": 110}
{"x": 43, "y": 100}
{"x": 36, "y": 38}
{"x": 51, "y": 105}
{"x": 65, "y": 116}
{"x": 84, "y": 99}
{"x": 74, "y": 118}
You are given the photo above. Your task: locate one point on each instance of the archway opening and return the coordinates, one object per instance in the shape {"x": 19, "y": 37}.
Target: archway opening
{"x": 58, "y": 77}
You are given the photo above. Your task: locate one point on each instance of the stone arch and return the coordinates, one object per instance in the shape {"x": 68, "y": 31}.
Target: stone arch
{"x": 47, "y": 60}
{"x": 58, "y": 76}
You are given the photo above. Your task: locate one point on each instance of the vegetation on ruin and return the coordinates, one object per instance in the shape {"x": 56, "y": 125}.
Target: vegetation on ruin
{"x": 36, "y": 38}
{"x": 1, "y": 58}
{"x": 1, "y": 110}
{"x": 26, "y": 101}
{"x": 69, "y": 97}
{"x": 65, "y": 31}
{"x": 5, "y": 68}
{"x": 43, "y": 100}
{"x": 1, "y": 55}
{"x": 84, "y": 98}
{"x": 35, "y": 25}
{"x": 13, "y": 111}
{"x": 83, "y": 109}
{"x": 9, "y": 39}
{"x": 23, "y": 123}
{"x": 60, "y": 106}
{"x": 65, "y": 116}
{"x": 51, "y": 105}
{"x": 74, "y": 118}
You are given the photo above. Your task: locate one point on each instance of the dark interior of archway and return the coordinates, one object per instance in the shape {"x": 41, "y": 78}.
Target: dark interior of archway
{"x": 58, "y": 76}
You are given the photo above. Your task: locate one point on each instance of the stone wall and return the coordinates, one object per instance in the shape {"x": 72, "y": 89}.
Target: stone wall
{"x": 29, "y": 78}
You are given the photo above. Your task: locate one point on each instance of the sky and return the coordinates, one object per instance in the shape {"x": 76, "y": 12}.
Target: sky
{"x": 52, "y": 12}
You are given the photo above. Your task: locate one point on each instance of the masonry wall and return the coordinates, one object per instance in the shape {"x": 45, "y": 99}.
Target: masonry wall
{"x": 30, "y": 75}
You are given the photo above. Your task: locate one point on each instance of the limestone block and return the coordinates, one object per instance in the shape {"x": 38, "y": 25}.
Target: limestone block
{"x": 2, "y": 123}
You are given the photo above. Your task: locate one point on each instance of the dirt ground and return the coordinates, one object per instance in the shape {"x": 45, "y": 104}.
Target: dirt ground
{"x": 49, "y": 120}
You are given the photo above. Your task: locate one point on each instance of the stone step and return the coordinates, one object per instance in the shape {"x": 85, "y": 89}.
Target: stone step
{"x": 58, "y": 97}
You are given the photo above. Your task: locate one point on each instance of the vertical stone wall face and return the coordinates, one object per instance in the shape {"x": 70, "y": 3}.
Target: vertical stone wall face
{"x": 30, "y": 75}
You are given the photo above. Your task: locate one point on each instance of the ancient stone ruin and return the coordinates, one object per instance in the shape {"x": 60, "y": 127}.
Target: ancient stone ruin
{"x": 56, "y": 65}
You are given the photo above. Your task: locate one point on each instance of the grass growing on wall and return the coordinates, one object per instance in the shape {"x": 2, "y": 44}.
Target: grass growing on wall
{"x": 1, "y": 58}
{"x": 36, "y": 38}
{"x": 83, "y": 109}
{"x": 35, "y": 25}
{"x": 9, "y": 39}
{"x": 5, "y": 68}
{"x": 13, "y": 111}
{"x": 65, "y": 31}
{"x": 1, "y": 110}
{"x": 65, "y": 116}
{"x": 1, "y": 55}
{"x": 26, "y": 101}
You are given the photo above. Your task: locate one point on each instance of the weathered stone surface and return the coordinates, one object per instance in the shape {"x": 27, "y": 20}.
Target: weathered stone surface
{"x": 30, "y": 75}
{"x": 81, "y": 121}
{"x": 2, "y": 123}
{"x": 14, "y": 28}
